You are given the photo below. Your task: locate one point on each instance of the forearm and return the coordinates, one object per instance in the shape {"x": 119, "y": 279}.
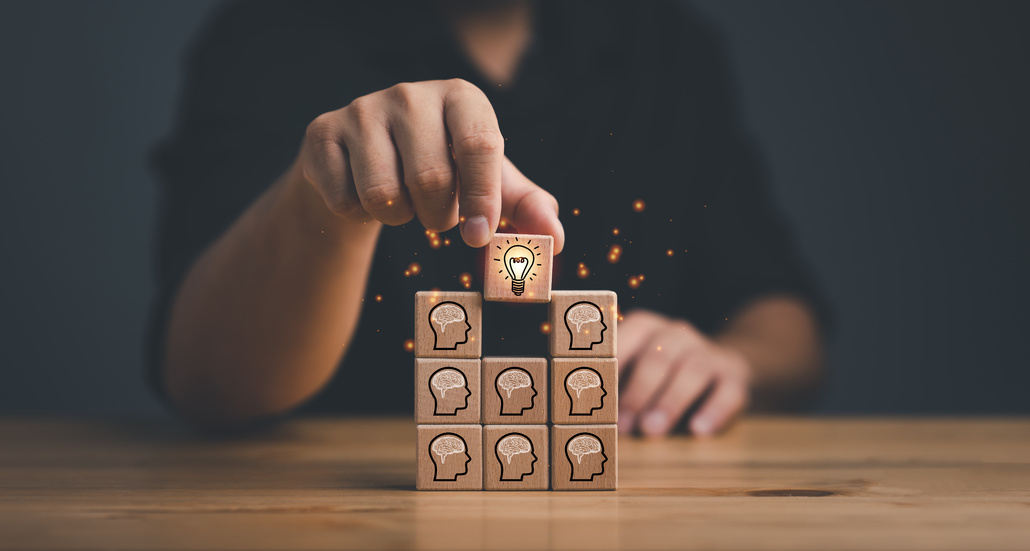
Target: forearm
{"x": 779, "y": 338}
{"x": 264, "y": 315}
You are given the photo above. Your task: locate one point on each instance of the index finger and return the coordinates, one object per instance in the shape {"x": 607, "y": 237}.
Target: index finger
{"x": 478, "y": 152}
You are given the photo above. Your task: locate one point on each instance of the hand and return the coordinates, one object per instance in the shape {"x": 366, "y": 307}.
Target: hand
{"x": 671, "y": 366}
{"x": 401, "y": 152}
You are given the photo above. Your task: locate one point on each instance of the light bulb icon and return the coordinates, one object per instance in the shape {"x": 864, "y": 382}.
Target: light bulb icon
{"x": 519, "y": 261}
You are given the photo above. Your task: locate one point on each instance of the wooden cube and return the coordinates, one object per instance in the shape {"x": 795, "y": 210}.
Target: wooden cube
{"x": 584, "y": 391}
{"x": 583, "y": 323}
{"x": 515, "y": 457}
{"x": 448, "y": 324}
{"x": 584, "y": 457}
{"x": 447, "y": 391}
{"x": 515, "y": 391}
{"x": 449, "y": 457}
{"x": 518, "y": 268}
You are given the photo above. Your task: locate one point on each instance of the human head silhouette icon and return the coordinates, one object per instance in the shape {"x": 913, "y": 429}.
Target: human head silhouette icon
{"x": 585, "y": 389}
{"x": 450, "y": 456}
{"x": 585, "y": 324}
{"x": 516, "y": 390}
{"x": 515, "y": 454}
{"x": 585, "y": 453}
{"x": 450, "y": 325}
{"x": 450, "y": 391}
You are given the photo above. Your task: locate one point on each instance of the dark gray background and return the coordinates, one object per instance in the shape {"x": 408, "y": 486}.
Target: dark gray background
{"x": 896, "y": 134}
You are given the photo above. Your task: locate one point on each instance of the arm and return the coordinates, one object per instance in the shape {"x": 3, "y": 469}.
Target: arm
{"x": 264, "y": 315}
{"x": 768, "y": 355}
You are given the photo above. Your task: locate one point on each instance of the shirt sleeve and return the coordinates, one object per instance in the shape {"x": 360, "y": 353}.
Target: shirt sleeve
{"x": 740, "y": 243}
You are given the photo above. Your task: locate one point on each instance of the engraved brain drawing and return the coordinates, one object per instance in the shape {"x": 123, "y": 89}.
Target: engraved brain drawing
{"x": 582, "y": 313}
{"x": 513, "y": 379}
{"x": 582, "y": 379}
{"x": 446, "y": 379}
{"x": 447, "y": 445}
{"x": 513, "y": 445}
{"x": 583, "y": 444}
{"x": 445, "y": 314}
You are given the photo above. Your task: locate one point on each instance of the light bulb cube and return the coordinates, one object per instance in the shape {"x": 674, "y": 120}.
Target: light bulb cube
{"x": 448, "y": 324}
{"x": 515, "y": 457}
{"x": 584, "y": 391}
{"x": 449, "y": 457}
{"x": 447, "y": 391}
{"x": 518, "y": 268}
{"x": 584, "y": 457}
{"x": 515, "y": 391}
{"x": 583, "y": 323}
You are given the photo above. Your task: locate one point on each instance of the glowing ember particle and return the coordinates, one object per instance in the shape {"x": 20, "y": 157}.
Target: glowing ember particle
{"x": 615, "y": 231}
{"x": 502, "y": 224}
{"x": 447, "y": 242}
{"x": 465, "y": 279}
{"x": 389, "y": 202}
{"x": 415, "y": 268}
{"x": 633, "y": 282}
{"x": 575, "y": 212}
{"x": 407, "y": 273}
{"x": 614, "y": 253}
{"x": 409, "y": 345}
{"x": 379, "y": 298}
{"x": 668, "y": 252}
{"x": 582, "y": 271}
{"x": 545, "y": 328}
{"x": 639, "y": 205}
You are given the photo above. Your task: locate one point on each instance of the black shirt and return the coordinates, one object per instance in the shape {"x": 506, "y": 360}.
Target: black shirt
{"x": 613, "y": 103}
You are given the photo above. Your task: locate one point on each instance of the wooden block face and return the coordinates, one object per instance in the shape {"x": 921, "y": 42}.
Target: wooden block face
{"x": 447, "y": 391}
{"x": 515, "y": 391}
{"x": 515, "y": 457}
{"x": 584, "y": 391}
{"x": 583, "y": 323}
{"x": 584, "y": 457}
{"x": 518, "y": 268}
{"x": 449, "y": 457}
{"x": 448, "y": 324}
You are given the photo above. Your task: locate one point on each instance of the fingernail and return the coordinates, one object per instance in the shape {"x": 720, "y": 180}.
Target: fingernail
{"x": 626, "y": 421}
{"x": 701, "y": 426}
{"x": 654, "y": 423}
{"x": 476, "y": 231}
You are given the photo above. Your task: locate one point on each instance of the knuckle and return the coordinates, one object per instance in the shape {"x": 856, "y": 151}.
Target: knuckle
{"x": 363, "y": 114}
{"x": 406, "y": 94}
{"x": 322, "y": 130}
{"x": 480, "y": 141}
{"x": 433, "y": 178}
{"x": 342, "y": 205}
{"x": 380, "y": 198}
{"x": 461, "y": 85}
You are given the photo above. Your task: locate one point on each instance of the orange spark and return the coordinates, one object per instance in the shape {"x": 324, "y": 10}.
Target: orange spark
{"x": 582, "y": 271}
{"x": 409, "y": 345}
{"x": 545, "y": 328}
{"x": 614, "y": 253}
{"x": 413, "y": 269}
{"x": 447, "y": 242}
{"x": 466, "y": 279}
{"x": 668, "y": 252}
{"x": 379, "y": 298}
{"x": 575, "y": 212}
{"x": 639, "y": 205}
{"x": 615, "y": 231}
{"x": 634, "y": 281}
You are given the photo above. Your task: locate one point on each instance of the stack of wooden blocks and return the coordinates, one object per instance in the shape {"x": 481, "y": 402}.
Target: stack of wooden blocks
{"x": 507, "y": 423}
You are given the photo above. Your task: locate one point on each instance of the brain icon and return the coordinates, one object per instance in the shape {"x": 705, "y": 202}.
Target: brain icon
{"x": 583, "y": 444}
{"x": 446, "y": 379}
{"x": 582, "y": 313}
{"x": 447, "y": 445}
{"x": 582, "y": 379}
{"x": 445, "y": 314}
{"x": 513, "y": 379}
{"x": 513, "y": 445}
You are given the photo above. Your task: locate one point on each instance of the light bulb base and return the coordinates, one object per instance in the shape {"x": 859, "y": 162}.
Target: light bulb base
{"x": 518, "y": 286}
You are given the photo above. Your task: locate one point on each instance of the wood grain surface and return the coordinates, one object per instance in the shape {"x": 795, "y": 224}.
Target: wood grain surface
{"x": 770, "y": 483}
{"x": 515, "y": 457}
{"x": 447, "y": 391}
{"x": 448, "y": 324}
{"x": 583, "y": 323}
{"x": 520, "y": 397}
{"x": 521, "y": 255}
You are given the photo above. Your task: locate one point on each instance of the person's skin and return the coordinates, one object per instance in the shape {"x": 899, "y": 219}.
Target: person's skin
{"x": 256, "y": 326}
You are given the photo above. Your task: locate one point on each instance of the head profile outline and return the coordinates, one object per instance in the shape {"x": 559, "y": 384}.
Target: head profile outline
{"x": 585, "y": 389}
{"x": 449, "y": 446}
{"x": 585, "y": 453}
{"x": 516, "y": 389}
{"x": 516, "y": 455}
{"x": 450, "y": 391}
{"x": 584, "y": 321}
{"x": 450, "y": 325}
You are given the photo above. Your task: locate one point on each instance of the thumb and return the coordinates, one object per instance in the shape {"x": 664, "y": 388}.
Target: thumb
{"x": 529, "y": 207}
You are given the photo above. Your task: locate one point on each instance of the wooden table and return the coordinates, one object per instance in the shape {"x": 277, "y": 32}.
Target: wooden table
{"x": 771, "y": 483}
